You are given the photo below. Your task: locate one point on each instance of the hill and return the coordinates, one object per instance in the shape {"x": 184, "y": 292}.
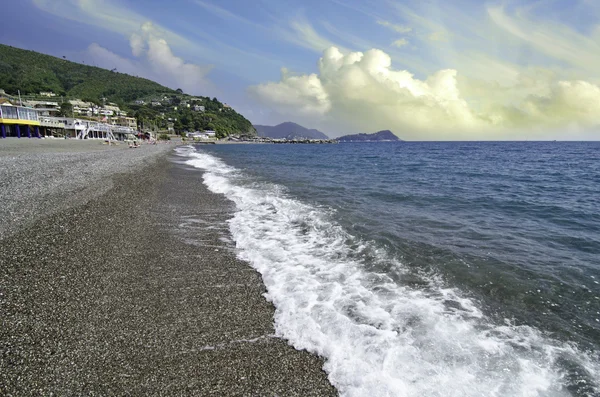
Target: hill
{"x": 381, "y": 136}
{"x": 32, "y": 72}
{"x": 289, "y": 131}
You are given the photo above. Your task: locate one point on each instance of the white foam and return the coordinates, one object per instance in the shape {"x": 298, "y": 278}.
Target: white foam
{"x": 379, "y": 338}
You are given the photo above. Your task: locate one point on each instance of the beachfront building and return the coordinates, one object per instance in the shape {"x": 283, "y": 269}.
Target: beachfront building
{"x": 202, "y": 136}
{"x": 51, "y": 126}
{"x": 18, "y": 121}
{"x": 124, "y": 121}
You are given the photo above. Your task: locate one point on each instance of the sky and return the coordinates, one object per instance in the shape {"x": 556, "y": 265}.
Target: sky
{"x": 425, "y": 69}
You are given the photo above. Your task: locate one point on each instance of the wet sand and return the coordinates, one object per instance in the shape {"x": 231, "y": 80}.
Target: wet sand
{"x": 137, "y": 291}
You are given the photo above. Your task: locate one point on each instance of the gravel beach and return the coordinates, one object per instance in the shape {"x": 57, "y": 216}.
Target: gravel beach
{"x": 117, "y": 277}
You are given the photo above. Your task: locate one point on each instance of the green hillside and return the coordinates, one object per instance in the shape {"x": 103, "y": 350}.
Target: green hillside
{"x": 32, "y": 72}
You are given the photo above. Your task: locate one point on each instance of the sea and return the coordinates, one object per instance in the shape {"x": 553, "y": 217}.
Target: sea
{"x": 425, "y": 268}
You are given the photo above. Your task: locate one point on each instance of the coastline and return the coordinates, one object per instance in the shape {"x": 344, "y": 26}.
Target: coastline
{"x": 136, "y": 290}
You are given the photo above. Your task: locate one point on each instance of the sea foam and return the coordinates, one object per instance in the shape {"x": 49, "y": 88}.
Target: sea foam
{"x": 380, "y": 337}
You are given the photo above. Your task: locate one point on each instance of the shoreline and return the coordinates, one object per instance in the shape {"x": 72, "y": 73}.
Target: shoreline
{"x": 137, "y": 291}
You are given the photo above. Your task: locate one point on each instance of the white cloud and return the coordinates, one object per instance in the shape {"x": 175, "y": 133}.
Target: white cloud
{"x": 362, "y": 91}
{"x": 400, "y": 43}
{"x": 155, "y": 61}
{"x": 438, "y": 36}
{"x": 100, "y": 56}
{"x": 105, "y": 14}
{"x": 552, "y": 39}
{"x": 395, "y": 28}
{"x": 304, "y": 95}
{"x": 303, "y": 34}
{"x": 199, "y": 44}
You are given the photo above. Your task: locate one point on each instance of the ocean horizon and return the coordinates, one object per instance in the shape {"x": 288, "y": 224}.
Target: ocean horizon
{"x": 425, "y": 268}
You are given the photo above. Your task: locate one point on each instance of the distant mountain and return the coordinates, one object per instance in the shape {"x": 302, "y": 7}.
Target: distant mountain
{"x": 289, "y": 131}
{"x": 385, "y": 135}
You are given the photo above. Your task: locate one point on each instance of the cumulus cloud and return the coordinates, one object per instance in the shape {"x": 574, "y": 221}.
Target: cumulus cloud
{"x": 363, "y": 92}
{"x": 304, "y": 94}
{"x": 155, "y": 60}
{"x": 148, "y": 43}
{"x": 100, "y": 56}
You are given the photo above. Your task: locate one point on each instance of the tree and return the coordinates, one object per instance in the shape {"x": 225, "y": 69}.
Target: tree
{"x": 179, "y": 91}
{"x": 66, "y": 109}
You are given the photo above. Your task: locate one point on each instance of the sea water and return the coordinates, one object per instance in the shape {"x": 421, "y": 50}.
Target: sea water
{"x": 426, "y": 269}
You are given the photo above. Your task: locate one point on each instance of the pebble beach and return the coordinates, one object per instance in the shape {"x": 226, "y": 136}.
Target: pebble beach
{"x": 118, "y": 277}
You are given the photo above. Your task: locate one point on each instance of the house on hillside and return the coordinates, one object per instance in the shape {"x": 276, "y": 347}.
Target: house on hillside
{"x": 198, "y": 108}
{"x": 81, "y": 107}
{"x": 140, "y": 102}
{"x": 112, "y": 108}
{"x": 44, "y": 108}
{"x": 49, "y": 94}
{"x": 156, "y": 103}
{"x": 3, "y": 94}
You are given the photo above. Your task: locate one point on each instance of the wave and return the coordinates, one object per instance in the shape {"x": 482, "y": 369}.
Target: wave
{"x": 380, "y": 334}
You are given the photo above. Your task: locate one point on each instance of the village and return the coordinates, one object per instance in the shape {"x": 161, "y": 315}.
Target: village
{"x": 46, "y": 115}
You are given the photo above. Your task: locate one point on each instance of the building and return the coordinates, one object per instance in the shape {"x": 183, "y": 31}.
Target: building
{"x": 205, "y": 135}
{"x": 198, "y": 108}
{"x": 156, "y": 103}
{"x": 45, "y": 108}
{"x": 49, "y": 94}
{"x": 82, "y": 108}
{"x": 3, "y": 94}
{"x": 18, "y": 121}
{"x": 113, "y": 108}
{"x": 123, "y": 121}
{"x": 140, "y": 102}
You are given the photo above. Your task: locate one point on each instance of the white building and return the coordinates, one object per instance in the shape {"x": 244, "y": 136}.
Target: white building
{"x": 44, "y": 108}
{"x": 205, "y": 135}
{"x": 198, "y": 108}
{"x": 113, "y": 108}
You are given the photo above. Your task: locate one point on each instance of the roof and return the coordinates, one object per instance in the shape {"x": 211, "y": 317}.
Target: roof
{"x": 4, "y": 101}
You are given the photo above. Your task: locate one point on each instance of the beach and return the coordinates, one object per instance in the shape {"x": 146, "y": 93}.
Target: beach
{"x": 119, "y": 277}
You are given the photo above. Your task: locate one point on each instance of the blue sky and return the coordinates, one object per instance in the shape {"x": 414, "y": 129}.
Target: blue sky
{"x": 461, "y": 69}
